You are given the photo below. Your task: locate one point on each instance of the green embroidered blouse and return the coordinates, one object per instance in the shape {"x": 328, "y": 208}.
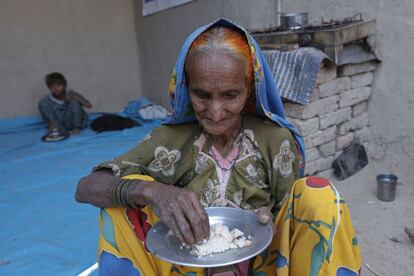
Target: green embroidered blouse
{"x": 266, "y": 167}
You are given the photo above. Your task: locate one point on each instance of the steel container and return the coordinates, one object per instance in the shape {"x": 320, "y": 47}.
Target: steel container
{"x": 387, "y": 184}
{"x": 293, "y": 21}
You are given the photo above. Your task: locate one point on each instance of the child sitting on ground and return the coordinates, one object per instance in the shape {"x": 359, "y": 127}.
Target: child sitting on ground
{"x": 62, "y": 110}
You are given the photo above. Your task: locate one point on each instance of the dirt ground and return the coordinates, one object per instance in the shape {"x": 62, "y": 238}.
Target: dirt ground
{"x": 380, "y": 225}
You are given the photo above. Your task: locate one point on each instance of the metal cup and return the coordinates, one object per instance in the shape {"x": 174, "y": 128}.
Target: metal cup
{"x": 387, "y": 184}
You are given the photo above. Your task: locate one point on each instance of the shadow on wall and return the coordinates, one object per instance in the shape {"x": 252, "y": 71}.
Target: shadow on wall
{"x": 161, "y": 35}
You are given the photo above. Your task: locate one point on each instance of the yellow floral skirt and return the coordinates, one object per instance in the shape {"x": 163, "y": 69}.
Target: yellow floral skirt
{"x": 314, "y": 236}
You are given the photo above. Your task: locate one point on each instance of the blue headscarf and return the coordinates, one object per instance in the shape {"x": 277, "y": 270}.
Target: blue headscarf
{"x": 268, "y": 101}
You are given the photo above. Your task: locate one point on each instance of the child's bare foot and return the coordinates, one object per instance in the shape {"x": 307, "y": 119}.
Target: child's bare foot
{"x": 76, "y": 131}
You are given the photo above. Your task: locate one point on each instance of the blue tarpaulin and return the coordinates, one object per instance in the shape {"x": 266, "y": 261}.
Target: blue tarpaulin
{"x": 43, "y": 230}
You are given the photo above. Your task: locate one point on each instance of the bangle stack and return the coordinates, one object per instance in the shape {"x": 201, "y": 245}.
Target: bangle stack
{"x": 122, "y": 193}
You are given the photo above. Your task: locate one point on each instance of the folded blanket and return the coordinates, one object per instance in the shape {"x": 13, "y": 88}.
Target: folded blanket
{"x": 144, "y": 109}
{"x": 295, "y": 72}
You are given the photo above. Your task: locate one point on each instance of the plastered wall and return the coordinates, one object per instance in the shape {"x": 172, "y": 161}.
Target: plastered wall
{"x": 93, "y": 43}
{"x": 161, "y": 35}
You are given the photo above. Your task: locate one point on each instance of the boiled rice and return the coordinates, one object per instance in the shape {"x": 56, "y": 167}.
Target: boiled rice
{"x": 221, "y": 239}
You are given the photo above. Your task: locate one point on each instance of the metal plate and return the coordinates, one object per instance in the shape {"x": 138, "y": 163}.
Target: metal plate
{"x": 162, "y": 243}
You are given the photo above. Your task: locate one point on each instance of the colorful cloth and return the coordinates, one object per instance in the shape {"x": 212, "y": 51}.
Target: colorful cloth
{"x": 266, "y": 167}
{"x": 268, "y": 101}
{"x": 314, "y": 237}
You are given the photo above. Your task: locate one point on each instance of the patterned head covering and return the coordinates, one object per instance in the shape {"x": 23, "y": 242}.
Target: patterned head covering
{"x": 268, "y": 101}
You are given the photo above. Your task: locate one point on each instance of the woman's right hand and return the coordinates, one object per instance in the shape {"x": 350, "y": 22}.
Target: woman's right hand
{"x": 180, "y": 210}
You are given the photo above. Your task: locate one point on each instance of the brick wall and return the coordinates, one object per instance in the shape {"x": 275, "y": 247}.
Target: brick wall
{"x": 336, "y": 116}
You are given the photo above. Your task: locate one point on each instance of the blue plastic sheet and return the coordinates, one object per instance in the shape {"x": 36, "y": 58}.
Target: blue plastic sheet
{"x": 43, "y": 230}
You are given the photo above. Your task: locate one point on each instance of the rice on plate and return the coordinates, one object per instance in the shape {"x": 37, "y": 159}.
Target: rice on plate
{"x": 221, "y": 239}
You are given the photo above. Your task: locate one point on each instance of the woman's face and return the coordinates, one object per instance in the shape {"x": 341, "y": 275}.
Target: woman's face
{"x": 218, "y": 91}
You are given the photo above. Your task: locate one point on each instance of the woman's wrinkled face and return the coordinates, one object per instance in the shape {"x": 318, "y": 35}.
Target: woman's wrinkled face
{"x": 218, "y": 91}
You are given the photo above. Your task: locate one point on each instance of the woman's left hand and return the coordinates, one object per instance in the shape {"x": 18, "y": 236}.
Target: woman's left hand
{"x": 264, "y": 216}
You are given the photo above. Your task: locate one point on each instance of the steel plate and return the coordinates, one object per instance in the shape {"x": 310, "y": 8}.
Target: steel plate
{"x": 162, "y": 243}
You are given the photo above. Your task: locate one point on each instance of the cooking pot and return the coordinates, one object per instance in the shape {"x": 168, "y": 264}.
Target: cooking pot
{"x": 293, "y": 21}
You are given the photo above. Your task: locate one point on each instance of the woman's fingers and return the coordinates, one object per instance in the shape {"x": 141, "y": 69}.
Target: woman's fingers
{"x": 171, "y": 215}
{"x": 196, "y": 223}
{"x": 170, "y": 221}
{"x": 184, "y": 227}
{"x": 264, "y": 215}
{"x": 203, "y": 218}
{"x": 182, "y": 212}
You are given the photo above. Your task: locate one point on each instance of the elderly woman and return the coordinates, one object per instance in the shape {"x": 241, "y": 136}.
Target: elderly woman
{"x": 227, "y": 143}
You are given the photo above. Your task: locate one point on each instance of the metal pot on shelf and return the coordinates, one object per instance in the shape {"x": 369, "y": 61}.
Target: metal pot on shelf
{"x": 293, "y": 21}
